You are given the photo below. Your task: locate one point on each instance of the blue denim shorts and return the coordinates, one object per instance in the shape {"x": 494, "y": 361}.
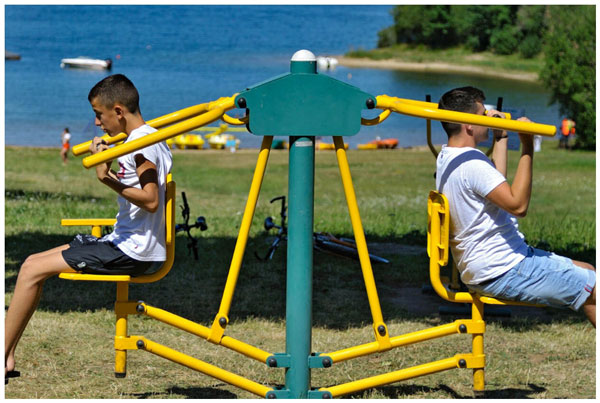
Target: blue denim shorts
{"x": 542, "y": 278}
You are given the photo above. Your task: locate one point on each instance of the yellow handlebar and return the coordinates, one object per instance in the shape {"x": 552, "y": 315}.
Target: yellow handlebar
{"x": 429, "y": 110}
{"x": 157, "y": 123}
{"x": 209, "y": 112}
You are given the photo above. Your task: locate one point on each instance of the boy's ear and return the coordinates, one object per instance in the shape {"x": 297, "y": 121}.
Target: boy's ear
{"x": 119, "y": 110}
{"x": 469, "y": 129}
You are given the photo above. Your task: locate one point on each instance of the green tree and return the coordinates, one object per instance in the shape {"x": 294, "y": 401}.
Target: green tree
{"x": 531, "y": 23}
{"x": 570, "y": 66}
{"x": 427, "y": 25}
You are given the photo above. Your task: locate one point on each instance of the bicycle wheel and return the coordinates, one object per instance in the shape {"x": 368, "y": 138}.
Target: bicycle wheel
{"x": 336, "y": 248}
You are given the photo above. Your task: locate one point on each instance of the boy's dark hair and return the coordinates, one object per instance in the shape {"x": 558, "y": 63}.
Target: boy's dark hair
{"x": 462, "y": 99}
{"x": 116, "y": 88}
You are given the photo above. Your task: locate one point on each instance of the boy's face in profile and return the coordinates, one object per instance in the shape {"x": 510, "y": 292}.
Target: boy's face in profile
{"x": 107, "y": 118}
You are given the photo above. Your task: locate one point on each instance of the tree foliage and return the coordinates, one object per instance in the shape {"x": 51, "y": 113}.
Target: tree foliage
{"x": 570, "y": 67}
{"x": 566, "y": 35}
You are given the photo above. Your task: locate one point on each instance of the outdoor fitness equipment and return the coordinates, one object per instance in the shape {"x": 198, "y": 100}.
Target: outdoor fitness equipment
{"x": 302, "y": 105}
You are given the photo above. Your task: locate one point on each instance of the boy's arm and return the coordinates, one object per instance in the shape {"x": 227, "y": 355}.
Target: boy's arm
{"x": 147, "y": 197}
{"x": 515, "y": 198}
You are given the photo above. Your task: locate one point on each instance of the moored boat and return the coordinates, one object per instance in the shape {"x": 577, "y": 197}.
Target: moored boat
{"x": 83, "y": 62}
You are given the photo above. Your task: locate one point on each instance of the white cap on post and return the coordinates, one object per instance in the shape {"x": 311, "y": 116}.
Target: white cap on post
{"x": 304, "y": 56}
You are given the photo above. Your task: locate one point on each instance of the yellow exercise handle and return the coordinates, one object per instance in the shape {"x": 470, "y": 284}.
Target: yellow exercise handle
{"x": 214, "y": 111}
{"x": 157, "y": 123}
{"x": 429, "y": 110}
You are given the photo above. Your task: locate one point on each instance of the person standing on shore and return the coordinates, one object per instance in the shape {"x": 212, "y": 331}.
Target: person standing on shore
{"x": 567, "y": 129}
{"x": 65, "y": 138}
{"x": 137, "y": 242}
{"x": 490, "y": 252}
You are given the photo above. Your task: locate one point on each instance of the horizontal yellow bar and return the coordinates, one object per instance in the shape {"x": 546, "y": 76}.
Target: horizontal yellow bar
{"x": 152, "y": 138}
{"x": 94, "y": 277}
{"x": 202, "y": 331}
{"x": 418, "y": 109}
{"x": 157, "y": 123}
{"x": 206, "y": 368}
{"x": 396, "y": 376}
{"x": 71, "y": 222}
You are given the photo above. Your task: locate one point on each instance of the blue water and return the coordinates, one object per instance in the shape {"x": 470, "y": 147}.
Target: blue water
{"x": 180, "y": 56}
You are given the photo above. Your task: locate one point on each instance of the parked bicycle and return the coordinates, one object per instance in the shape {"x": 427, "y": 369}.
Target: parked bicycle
{"x": 322, "y": 241}
{"x": 200, "y": 223}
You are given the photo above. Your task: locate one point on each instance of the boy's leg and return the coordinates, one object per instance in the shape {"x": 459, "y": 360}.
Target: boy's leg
{"x": 589, "y": 307}
{"x": 28, "y": 289}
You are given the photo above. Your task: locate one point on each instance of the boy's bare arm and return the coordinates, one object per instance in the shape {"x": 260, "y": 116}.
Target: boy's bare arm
{"x": 515, "y": 198}
{"x": 147, "y": 197}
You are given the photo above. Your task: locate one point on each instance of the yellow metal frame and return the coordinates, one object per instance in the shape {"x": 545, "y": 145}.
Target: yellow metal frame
{"x": 200, "y": 115}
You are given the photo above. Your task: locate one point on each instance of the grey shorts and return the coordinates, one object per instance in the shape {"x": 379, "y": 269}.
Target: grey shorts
{"x": 91, "y": 255}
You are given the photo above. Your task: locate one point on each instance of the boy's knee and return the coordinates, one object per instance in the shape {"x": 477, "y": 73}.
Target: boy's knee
{"x": 30, "y": 271}
{"x": 584, "y": 265}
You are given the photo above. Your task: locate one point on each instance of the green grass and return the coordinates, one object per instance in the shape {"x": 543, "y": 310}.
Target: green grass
{"x": 66, "y": 352}
{"x": 456, "y": 56}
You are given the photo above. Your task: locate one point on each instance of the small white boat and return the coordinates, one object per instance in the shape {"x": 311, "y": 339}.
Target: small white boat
{"x": 83, "y": 62}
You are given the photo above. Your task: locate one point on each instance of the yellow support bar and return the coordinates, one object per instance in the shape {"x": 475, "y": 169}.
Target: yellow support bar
{"x": 221, "y": 319}
{"x": 202, "y": 331}
{"x": 379, "y": 327}
{"x": 396, "y": 376}
{"x": 205, "y": 368}
{"x": 406, "y": 339}
{"x": 428, "y": 110}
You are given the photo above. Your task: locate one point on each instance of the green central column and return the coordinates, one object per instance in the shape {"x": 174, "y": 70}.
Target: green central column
{"x": 301, "y": 105}
{"x": 300, "y": 264}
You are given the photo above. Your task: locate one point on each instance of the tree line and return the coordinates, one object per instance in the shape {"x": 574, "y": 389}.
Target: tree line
{"x": 565, "y": 36}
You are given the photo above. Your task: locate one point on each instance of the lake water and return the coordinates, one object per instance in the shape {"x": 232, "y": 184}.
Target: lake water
{"x": 180, "y": 56}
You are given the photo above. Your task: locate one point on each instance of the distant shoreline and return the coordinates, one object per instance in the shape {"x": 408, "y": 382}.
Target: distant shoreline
{"x": 394, "y": 64}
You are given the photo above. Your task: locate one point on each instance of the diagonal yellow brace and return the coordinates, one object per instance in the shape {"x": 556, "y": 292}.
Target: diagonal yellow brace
{"x": 381, "y": 333}
{"x": 204, "y": 367}
{"x": 218, "y": 327}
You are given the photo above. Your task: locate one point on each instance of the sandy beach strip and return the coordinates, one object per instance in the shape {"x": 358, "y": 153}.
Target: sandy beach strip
{"x": 395, "y": 64}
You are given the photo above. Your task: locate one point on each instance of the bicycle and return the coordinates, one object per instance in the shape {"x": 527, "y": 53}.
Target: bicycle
{"x": 322, "y": 241}
{"x": 200, "y": 223}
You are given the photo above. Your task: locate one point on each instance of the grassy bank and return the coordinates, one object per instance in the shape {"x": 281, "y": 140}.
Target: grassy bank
{"x": 67, "y": 350}
{"x": 458, "y": 56}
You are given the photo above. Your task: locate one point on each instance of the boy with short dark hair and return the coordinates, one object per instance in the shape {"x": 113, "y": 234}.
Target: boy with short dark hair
{"x": 138, "y": 239}
{"x": 490, "y": 252}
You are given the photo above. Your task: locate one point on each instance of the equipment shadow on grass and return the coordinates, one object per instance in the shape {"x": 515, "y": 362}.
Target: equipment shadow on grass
{"x": 407, "y": 391}
{"x": 193, "y": 289}
{"x": 188, "y": 393}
